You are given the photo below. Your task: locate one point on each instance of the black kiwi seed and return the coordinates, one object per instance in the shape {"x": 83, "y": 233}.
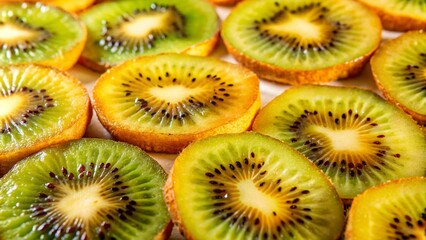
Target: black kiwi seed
{"x": 38, "y": 101}
{"x": 114, "y": 41}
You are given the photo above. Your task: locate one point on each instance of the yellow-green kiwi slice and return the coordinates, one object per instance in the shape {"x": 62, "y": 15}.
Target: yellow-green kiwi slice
{"x": 39, "y": 106}
{"x": 251, "y": 186}
{"x": 399, "y": 68}
{"x": 394, "y": 210}
{"x": 38, "y": 33}
{"x": 358, "y": 139}
{"x": 306, "y": 41}
{"x": 163, "y": 102}
{"x": 122, "y": 30}
{"x": 399, "y": 15}
{"x": 85, "y": 189}
{"x": 68, "y": 5}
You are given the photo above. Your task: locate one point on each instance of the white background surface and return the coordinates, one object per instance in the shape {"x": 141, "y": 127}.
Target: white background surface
{"x": 268, "y": 91}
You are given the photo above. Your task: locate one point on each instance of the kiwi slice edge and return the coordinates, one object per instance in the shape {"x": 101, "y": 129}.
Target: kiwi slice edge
{"x": 228, "y": 146}
{"x": 296, "y": 120}
{"x": 142, "y": 130}
{"x": 395, "y": 19}
{"x": 71, "y": 131}
{"x": 295, "y": 75}
{"x": 100, "y": 58}
{"x": 62, "y": 56}
{"x": 405, "y": 48}
{"x": 80, "y": 164}
{"x": 404, "y": 207}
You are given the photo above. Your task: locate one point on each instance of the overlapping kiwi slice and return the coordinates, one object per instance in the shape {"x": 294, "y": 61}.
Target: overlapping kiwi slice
{"x": 162, "y": 103}
{"x": 395, "y": 210}
{"x": 86, "y": 189}
{"x": 399, "y": 15}
{"x": 68, "y": 5}
{"x": 306, "y": 41}
{"x": 399, "y": 68}
{"x": 38, "y": 33}
{"x": 39, "y": 106}
{"x": 122, "y": 30}
{"x": 250, "y": 186}
{"x": 358, "y": 139}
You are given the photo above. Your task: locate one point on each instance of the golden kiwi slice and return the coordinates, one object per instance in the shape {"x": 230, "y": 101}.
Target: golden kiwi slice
{"x": 162, "y": 103}
{"x": 39, "y": 106}
{"x": 394, "y": 210}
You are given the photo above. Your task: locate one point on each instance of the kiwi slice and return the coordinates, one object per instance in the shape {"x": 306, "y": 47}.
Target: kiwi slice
{"x": 395, "y": 210}
{"x": 39, "y": 106}
{"x": 162, "y": 103}
{"x": 399, "y": 15}
{"x": 399, "y": 68}
{"x": 122, "y": 30}
{"x": 68, "y": 5}
{"x": 306, "y": 41}
{"x": 85, "y": 189}
{"x": 358, "y": 139}
{"x": 38, "y": 33}
{"x": 250, "y": 186}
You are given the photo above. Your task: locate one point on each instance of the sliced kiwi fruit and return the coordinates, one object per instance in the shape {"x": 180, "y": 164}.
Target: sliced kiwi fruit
{"x": 394, "y": 210}
{"x": 38, "y": 33}
{"x": 162, "y": 103}
{"x": 85, "y": 189}
{"x": 121, "y": 30}
{"x": 306, "y": 41}
{"x": 39, "y": 106}
{"x": 357, "y": 138}
{"x": 68, "y": 5}
{"x": 399, "y": 15}
{"x": 399, "y": 68}
{"x": 250, "y": 186}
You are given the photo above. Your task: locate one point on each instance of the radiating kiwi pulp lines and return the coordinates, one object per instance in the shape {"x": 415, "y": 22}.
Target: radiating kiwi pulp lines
{"x": 269, "y": 90}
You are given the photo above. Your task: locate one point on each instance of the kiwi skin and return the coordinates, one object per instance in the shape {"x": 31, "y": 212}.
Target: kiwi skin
{"x": 396, "y": 22}
{"x": 225, "y": 2}
{"x": 75, "y": 131}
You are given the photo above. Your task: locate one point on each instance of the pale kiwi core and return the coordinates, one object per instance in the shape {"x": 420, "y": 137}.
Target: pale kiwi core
{"x": 9, "y": 104}
{"x": 341, "y": 140}
{"x": 143, "y": 25}
{"x": 252, "y": 197}
{"x": 10, "y": 33}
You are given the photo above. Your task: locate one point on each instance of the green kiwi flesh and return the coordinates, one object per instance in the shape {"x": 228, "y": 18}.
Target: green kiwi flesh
{"x": 86, "y": 189}
{"x": 37, "y": 103}
{"x": 250, "y": 186}
{"x": 36, "y": 32}
{"x": 302, "y": 35}
{"x": 400, "y": 71}
{"x": 122, "y": 30}
{"x": 358, "y": 139}
{"x": 394, "y": 210}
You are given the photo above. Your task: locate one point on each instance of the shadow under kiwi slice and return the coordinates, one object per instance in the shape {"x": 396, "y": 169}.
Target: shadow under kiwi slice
{"x": 122, "y": 30}
{"x": 357, "y": 138}
{"x": 85, "y": 189}
{"x": 39, "y": 106}
{"x": 299, "y": 42}
{"x": 38, "y": 33}
{"x": 162, "y": 103}
{"x": 251, "y": 186}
